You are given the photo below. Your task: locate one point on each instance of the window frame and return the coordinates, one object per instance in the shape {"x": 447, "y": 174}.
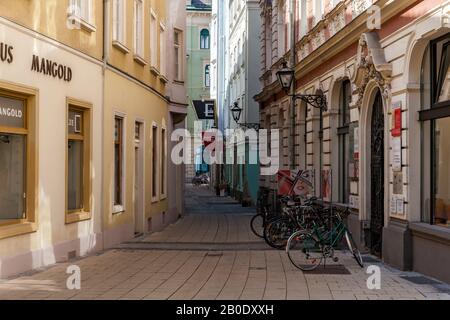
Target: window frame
{"x": 73, "y": 216}
{"x": 431, "y": 111}
{"x": 207, "y": 76}
{"x": 9, "y": 229}
{"x": 138, "y": 32}
{"x": 118, "y": 208}
{"x": 163, "y": 156}
{"x": 155, "y": 164}
{"x": 154, "y": 42}
{"x": 205, "y": 45}
{"x": 119, "y": 24}
{"x": 78, "y": 17}
{"x": 343, "y": 132}
{"x": 179, "y": 74}
{"x": 162, "y": 50}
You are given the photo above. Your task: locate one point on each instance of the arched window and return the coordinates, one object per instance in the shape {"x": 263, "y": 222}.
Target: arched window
{"x": 207, "y": 76}
{"x": 204, "y": 39}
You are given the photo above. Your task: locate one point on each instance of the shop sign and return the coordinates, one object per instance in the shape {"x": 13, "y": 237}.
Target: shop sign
{"x": 397, "y": 119}
{"x": 353, "y": 202}
{"x": 75, "y": 122}
{"x": 51, "y": 68}
{"x": 6, "y": 53}
{"x": 12, "y": 113}
{"x": 205, "y": 109}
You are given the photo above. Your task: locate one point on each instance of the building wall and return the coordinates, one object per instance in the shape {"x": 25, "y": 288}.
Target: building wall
{"x": 48, "y": 237}
{"x": 49, "y": 17}
{"x": 386, "y": 60}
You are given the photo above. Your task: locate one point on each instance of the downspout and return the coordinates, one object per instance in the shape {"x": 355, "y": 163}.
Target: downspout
{"x": 292, "y": 106}
{"x": 105, "y": 61}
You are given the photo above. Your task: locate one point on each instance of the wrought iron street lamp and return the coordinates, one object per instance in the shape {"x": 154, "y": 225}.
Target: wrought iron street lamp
{"x": 236, "y": 112}
{"x": 286, "y": 78}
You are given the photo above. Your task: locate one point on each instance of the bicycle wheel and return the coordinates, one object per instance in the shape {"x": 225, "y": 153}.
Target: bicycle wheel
{"x": 277, "y": 232}
{"x": 353, "y": 249}
{"x": 257, "y": 225}
{"x": 303, "y": 251}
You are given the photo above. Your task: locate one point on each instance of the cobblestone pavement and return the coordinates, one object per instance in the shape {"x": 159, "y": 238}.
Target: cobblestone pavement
{"x": 213, "y": 255}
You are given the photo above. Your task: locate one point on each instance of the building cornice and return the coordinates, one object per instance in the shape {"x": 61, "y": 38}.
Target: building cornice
{"x": 344, "y": 38}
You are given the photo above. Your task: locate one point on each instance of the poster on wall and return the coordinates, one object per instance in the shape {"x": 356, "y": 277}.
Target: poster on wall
{"x": 326, "y": 185}
{"x": 356, "y": 144}
{"x": 397, "y": 154}
{"x": 296, "y": 183}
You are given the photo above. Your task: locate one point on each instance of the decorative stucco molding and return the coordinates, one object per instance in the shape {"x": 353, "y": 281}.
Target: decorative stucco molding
{"x": 371, "y": 65}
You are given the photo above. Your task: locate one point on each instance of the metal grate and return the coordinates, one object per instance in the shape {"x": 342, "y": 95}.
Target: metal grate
{"x": 331, "y": 270}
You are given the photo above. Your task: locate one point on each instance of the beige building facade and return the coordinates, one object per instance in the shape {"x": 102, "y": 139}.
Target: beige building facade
{"x": 88, "y": 103}
{"x": 381, "y": 138}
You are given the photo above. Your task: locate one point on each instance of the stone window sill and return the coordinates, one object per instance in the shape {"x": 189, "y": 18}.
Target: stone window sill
{"x": 121, "y": 47}
{"x": 140, "y": 60}
{"x": 84, "y": 25}
{"x": 74, "y": 217}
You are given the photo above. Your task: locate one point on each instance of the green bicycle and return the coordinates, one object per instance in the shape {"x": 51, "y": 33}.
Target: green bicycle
{"x": 307, "y": 248}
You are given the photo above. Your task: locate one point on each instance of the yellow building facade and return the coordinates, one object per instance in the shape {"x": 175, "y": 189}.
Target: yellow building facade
{"x": 84, "y": 128}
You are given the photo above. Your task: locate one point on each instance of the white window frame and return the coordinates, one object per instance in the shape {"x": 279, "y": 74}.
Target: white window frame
{"x": 119, "y": 22}
{"x": 138, "y": 26}
{"x": 80, "y": 13}
{"x": 178, "y": 75}
{"x": 118, "y": 209}
{"x": 162, "y": 50}
{"x": 154, "y": 41}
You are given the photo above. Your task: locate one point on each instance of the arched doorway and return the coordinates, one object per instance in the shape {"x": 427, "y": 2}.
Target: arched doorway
{"x": 377, "y": 176}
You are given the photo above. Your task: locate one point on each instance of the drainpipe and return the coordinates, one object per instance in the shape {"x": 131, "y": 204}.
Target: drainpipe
{"x": 105, "y": 61}
{"x": 292, "y": 105}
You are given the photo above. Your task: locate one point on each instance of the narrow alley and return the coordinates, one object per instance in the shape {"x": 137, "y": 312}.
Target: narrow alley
{"x": 211, "y": 254}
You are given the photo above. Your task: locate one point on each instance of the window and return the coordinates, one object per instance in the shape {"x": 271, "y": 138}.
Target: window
{"x": 139, "y": 28}
{"x": 178, "y": 53}
{"x": 153, "y": 41}
{"x": 118, "y": 165}
{"x": 162, "y": 49}
{"x": 81, "y": 9}
{"x": 78, "y": 162}
{"x": 207, "y": 76}
{"x": 119, "y": 14}
{"x": 154, "y": 162}
{"x": 204, "y": 39}
{"x": 163, "y": 161}
{"x": 13, "y": 157}
{"x": 344, "y": 142}
{"x": 435, "y": 117}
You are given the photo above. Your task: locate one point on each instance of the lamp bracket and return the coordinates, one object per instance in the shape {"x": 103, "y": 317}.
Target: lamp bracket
{"x": 318, "y": 101}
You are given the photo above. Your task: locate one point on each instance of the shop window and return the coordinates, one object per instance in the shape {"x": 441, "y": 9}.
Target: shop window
{"x": 204, "y": 39}
{"x": 18, "y": 160}
{"x": 118, "y": 164}
{"x": 78, "y": 163}
{"x": 154, "y": 162}
{"x": 13, "y": 157}
{"x": 435, "y": 117}
{"x": 344, "y": 142}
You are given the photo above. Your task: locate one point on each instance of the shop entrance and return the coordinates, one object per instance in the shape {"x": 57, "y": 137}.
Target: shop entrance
{"x": 377, "y": 176}
{"x": 139, "y": 213}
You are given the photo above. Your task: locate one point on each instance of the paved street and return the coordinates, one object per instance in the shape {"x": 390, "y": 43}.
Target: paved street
{"x": 212, "y": 254}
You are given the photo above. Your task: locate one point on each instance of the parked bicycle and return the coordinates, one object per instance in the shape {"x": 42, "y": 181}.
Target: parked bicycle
{"x": 308, "y": 247}
{"x": 264, "y": 213}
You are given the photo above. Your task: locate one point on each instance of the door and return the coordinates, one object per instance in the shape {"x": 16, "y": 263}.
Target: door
{"x": 377, "y": 177}
{"x": 138, "y": 181}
